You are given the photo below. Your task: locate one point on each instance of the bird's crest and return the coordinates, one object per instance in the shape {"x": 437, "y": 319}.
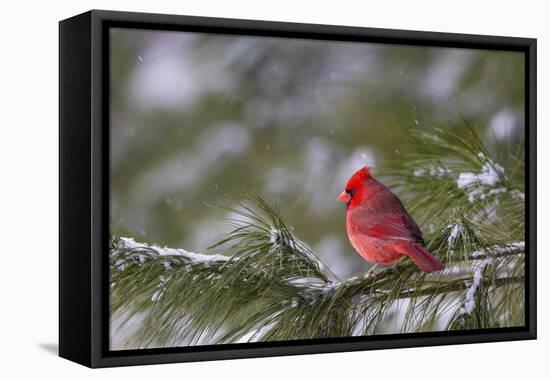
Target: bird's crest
{"x": 358, "y": 178}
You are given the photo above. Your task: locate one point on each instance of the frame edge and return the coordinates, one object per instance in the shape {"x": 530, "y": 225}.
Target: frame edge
{"x": 75, "y": 334}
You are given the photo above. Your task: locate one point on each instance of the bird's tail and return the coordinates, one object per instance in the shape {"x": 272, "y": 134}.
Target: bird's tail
{"x": 421, "y": 257}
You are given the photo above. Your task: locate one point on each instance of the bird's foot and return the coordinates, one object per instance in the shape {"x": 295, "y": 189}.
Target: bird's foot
{"x": 370, "y": 272}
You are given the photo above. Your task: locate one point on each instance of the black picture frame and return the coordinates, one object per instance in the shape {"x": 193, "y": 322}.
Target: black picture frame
{"x": 84, "y": 187}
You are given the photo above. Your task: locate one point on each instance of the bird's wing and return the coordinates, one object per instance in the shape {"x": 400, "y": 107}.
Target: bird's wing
{"x": 386, "y": 225}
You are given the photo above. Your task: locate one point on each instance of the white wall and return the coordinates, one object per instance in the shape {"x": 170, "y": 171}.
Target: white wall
{"x": 28, "y": 191}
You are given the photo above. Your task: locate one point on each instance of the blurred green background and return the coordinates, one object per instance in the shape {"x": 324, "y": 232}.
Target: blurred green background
{"x": 206, "y": 118}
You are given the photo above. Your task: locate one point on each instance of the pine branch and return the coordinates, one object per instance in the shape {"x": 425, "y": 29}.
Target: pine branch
{"x": 143, "y": 254}
{"x": 513, "y": 249}
{"x": 241, "y": 281}
{"x": 459, "y": 286}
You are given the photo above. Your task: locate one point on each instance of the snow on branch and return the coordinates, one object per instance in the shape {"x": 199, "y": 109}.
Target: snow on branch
{"x": 191, "y": 257}
{"x": 141, "y": 253}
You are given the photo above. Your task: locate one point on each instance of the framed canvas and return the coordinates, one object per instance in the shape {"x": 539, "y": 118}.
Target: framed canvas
{"x": 234, "y": 188}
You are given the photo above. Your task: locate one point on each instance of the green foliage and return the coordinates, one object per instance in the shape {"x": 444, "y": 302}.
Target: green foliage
{"x": 448, "y": 168}
{"x": 265, "y": 284}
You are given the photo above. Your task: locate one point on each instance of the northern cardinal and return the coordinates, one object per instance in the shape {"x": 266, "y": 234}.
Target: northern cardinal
{"x": 378, "y": 225}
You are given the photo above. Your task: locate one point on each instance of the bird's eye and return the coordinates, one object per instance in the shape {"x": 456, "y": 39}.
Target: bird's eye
{"x": 351, "y": 192}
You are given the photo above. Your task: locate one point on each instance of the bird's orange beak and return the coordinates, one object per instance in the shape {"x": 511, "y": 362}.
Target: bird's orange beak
{"x": 344, "y": 197}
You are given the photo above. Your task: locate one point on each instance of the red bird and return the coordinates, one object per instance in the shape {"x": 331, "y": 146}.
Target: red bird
{"x": 378, "y": 225}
